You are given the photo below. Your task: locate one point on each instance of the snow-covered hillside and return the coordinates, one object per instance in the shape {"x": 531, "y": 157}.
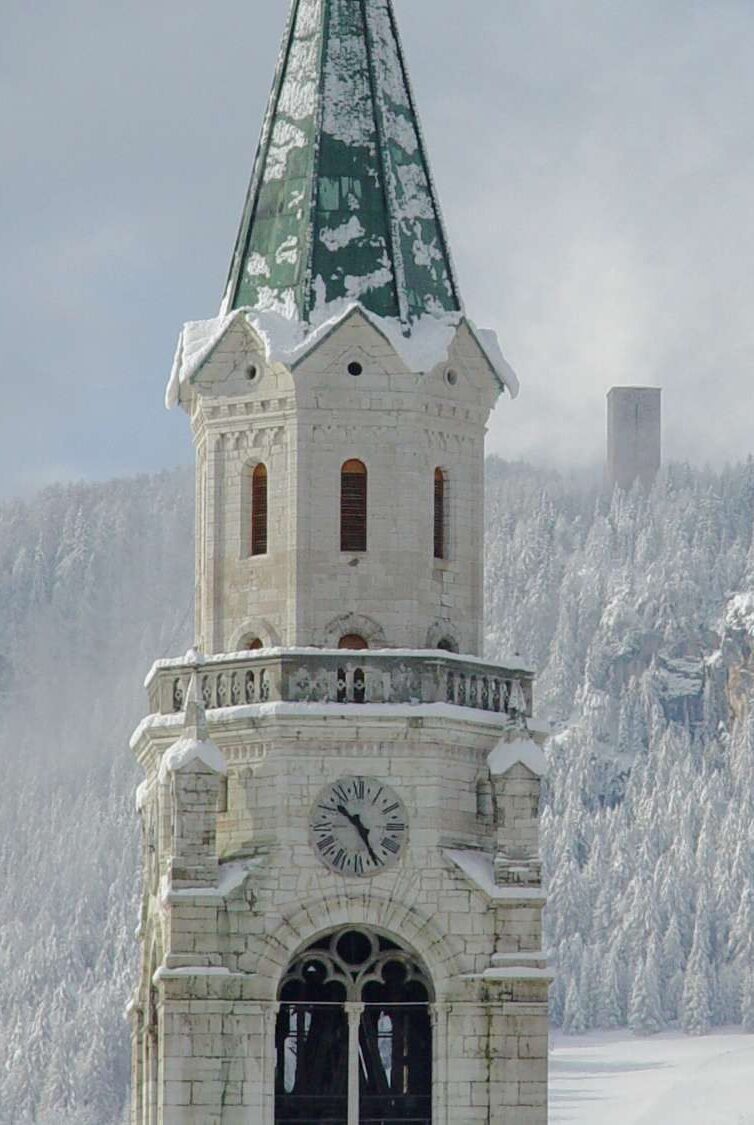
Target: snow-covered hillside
{"x": 94, "y": 581}
{"x": 637, "y": 612}
{"x": 639, "y": 615}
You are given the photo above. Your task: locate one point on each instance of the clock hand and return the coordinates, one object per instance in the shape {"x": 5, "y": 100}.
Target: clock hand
{"x": 364, "y": 833}
{"x": 358, "y": 824}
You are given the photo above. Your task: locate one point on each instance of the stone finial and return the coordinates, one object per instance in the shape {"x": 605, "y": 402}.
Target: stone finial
{"x": 195, "y": 721}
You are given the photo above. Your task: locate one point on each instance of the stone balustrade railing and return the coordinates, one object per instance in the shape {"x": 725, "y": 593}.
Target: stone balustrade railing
{"x": 342, "y": 676}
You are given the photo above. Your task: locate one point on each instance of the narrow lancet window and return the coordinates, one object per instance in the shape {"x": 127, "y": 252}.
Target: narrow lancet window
{"x": 259, "y": 511}
{"x": 353, "y": 506}
{"x": 440, "y": 529}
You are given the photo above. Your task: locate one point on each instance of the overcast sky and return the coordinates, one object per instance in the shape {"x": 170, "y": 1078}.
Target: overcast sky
{"x": 594, "y": 160}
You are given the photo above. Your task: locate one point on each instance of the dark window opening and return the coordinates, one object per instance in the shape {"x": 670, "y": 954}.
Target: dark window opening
{"x": 259, "y": 511}
{"x": 391, "y": 1061}
{"x": 439, "y": 515}
{"x": 353, "y": 506}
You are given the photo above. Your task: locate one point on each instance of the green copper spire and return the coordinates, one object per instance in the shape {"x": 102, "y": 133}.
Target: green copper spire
{"x": 341, "y": 206}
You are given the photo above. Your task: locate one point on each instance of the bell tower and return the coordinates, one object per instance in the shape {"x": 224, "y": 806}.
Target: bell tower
{"x": 341, "y": 917}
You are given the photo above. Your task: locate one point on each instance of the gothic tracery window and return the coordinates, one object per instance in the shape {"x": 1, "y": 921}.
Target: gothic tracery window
{"x": 354, "y": 1009}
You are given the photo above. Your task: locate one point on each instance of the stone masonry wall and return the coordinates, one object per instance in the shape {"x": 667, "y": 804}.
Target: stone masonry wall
{"x": 304, "y": 425}
{"x": 226, "y": 946}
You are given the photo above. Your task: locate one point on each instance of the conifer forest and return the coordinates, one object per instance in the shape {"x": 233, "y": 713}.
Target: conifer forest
{"x": 636, "y": 611}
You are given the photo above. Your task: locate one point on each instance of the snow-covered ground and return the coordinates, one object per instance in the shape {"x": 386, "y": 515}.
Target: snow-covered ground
{"x": 612, "y": 1078}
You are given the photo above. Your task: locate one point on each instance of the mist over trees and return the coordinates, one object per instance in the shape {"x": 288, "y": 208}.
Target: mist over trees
{"x": 636, "y": 612}
{"x": 95, "y": 580}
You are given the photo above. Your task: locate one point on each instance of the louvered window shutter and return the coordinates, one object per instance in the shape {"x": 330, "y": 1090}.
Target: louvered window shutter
{"x": 439, "y": 514}
{"x": 353, "y": 507}
{"x": 259, "y": 511}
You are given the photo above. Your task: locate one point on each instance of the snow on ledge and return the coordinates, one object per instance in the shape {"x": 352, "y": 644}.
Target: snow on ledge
{"x": 347, "y": 711}
{"x": 508, "y": 754}
{"x": 525, "y": 972}
{"x": 289, "y": 341}
{"x": 478, "y": 868}
{"x": 187, "y": 750}
{"x": 231, "y": 877}
{"x": 196, "y": 660}
{"x": 164, "y": 973}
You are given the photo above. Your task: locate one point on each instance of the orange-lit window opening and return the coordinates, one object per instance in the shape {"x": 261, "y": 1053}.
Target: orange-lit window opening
{"x": 353, "y": 641}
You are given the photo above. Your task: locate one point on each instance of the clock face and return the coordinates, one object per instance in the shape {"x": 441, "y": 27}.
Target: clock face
{"x": 358, "y": 826}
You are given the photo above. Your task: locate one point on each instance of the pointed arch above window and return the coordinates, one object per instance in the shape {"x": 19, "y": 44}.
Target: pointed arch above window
{"x": 353, "y": 506}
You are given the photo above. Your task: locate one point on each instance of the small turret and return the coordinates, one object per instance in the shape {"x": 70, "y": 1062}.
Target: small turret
{"x": 191, "y": 773}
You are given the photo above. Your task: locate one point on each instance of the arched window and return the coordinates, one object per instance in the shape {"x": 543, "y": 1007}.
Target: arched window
{"x": 353, "y": 641}
{"x": 353, "y": 506}
{"x": 252, "y": 644}
{"x": 440, "y": 521}
{"x": 370, "y": 1061}
{"x": 447, "y": 644}
{"x": 259, "y": 510}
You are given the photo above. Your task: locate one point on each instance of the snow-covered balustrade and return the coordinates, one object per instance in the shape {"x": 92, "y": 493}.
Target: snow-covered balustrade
{"x": 341, "y": 676}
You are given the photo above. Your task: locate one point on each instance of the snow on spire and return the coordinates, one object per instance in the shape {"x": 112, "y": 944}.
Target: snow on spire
{"x": 341, "y": 206}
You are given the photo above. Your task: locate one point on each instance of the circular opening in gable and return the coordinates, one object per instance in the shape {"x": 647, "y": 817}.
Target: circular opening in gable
{"x": 451, "y": 377}
{"x": 355, "y": 368}
{"x": 252, "y": 371}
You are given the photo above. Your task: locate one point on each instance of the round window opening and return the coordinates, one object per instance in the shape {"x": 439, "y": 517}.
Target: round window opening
{"x": 251, "y": 372}
{"x": 355, "y": 368}
{"x": 451, "y": 377}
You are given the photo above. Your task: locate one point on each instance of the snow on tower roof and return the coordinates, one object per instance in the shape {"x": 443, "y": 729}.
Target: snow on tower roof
{"x": 341, "y": 205}
{"x": 510, "y": 752}
{"x": 289, "y": 342}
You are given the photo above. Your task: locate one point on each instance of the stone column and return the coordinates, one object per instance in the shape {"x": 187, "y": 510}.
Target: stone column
{"x": 354, "y": 1013}
{"x": 439, "y": 1014}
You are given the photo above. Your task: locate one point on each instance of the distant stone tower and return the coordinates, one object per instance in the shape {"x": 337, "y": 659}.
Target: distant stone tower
{"x": 341, "y": 917}
{"x": 634, "y": 435}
